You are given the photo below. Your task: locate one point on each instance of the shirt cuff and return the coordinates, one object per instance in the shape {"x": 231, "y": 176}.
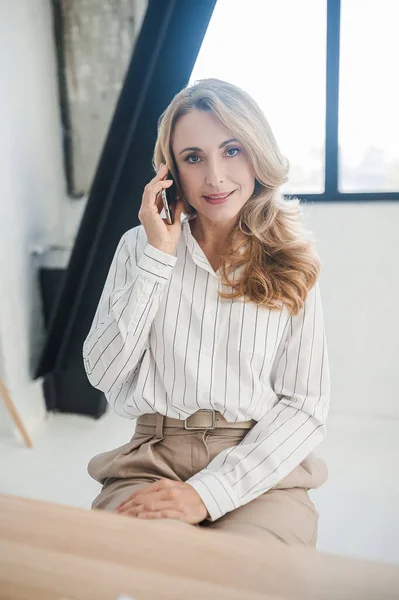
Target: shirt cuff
{"x": 215, "y": 492}
{"x": 156, "y": 265}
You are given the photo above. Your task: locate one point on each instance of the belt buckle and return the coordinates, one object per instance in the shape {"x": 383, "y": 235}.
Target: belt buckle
{"x": 213, "y": 426}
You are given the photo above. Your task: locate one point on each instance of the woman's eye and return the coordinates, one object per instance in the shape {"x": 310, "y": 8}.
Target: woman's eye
{"x": 233, "y": 151}
{"x": 191, "y": 157}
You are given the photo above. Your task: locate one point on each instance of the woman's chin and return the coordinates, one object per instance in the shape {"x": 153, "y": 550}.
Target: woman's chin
{"x": 218, "y": 213}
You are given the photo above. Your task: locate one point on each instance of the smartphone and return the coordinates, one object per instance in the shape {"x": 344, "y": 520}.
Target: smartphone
{"x": 169, "y": 199}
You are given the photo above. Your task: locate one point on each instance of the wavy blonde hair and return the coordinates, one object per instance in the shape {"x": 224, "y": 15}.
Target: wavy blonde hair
{"x": 279, "y": 261}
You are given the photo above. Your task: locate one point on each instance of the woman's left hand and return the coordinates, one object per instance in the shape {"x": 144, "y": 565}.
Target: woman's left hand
{"x": 165, "y": 499}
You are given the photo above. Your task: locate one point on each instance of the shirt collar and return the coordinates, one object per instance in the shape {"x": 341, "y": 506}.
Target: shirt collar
{"x": 194, "y": 248}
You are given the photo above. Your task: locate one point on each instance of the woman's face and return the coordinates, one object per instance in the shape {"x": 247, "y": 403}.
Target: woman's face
{"x": 215, "y": 174}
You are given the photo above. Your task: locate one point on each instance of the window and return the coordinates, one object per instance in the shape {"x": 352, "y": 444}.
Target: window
{"x": 304, "y": 63}
{"x": 276, "y": 52}
{"x": 369, "y": 96}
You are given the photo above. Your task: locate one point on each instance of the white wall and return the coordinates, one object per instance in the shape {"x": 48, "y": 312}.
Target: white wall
{"x": 359, "y": 248}
{"x": 32, "y": 189}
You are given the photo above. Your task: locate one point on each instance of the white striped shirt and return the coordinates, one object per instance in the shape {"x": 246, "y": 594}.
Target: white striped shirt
{"x": 162, "y": 340}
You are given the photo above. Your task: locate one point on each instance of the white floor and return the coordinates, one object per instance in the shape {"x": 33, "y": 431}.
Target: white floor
{"x": 359, "y": 505}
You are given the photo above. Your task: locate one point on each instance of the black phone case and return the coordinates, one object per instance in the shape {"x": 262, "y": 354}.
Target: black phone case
{"x": 168, "y": 200}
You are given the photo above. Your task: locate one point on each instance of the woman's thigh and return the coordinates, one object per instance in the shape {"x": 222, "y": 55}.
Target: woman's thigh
{"x": 114, "y": 492}
{"x": 287, "y": 515}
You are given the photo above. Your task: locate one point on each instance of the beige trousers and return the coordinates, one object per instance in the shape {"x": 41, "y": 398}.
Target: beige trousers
{"x": 285, "y": 512}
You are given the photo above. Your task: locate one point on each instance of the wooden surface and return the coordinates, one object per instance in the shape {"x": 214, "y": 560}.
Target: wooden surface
{"x": 53, "y": 552}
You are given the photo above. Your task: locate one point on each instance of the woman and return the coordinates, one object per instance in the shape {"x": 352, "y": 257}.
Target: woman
{"x": 210, "y": 332}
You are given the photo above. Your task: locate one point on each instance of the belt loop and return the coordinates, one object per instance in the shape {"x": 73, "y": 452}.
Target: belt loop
{"x": 159, "y": 426}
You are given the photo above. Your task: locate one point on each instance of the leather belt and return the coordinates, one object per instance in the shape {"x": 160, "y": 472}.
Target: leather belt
{"x": 202, "y": 419}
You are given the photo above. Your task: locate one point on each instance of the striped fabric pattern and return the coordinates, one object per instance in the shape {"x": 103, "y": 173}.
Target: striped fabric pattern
{"x": 162, "y": 340}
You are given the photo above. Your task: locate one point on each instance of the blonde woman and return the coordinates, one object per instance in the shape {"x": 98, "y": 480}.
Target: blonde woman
{"x": 210, "y": 332}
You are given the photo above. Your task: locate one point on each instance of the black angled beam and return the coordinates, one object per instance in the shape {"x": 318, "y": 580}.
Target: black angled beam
{"x": 163, "y": 59}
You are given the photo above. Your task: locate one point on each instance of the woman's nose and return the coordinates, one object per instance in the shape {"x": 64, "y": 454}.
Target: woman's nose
{"x": 214, "y": 175}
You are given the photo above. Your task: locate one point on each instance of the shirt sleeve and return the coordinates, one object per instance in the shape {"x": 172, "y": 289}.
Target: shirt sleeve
{"x": 287, "y": 434}
{"x": 119, "y": 334}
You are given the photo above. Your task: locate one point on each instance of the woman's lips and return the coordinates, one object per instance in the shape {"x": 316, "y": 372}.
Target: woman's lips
{"x": 218, "y": 198}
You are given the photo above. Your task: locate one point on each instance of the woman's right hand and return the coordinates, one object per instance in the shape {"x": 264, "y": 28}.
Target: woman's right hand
{"x": 160, "y": 234}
